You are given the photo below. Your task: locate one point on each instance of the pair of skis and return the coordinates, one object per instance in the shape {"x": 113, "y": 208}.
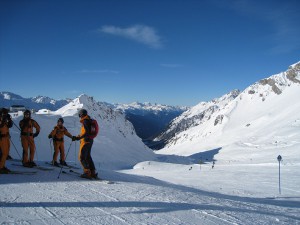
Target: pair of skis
{"x": 62, "y": 166}
{"x": 77, "y": 174}
{"x": 35, "y": 167}
{"x": 21, "y": 172}
{"x": 70, "y": 171}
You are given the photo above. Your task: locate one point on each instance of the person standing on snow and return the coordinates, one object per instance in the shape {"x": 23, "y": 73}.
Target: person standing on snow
{"x": 86, "y": 144}
{"x": 5, "y": 124}
{"x": 58, "y": 133}
{"x": 27, "y": 138}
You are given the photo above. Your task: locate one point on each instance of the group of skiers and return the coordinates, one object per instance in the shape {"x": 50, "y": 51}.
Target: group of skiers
{"x": 30, "y": 129}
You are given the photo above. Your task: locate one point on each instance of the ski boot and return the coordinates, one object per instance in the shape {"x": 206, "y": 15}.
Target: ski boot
{"x": 94, "y": 175}
{"x": 54, "y": 163}
{"x": 27, "y": 164}
{"x": 87, "y": 174}
{"x": 33, "y": 164}
{"x": 4, "y": 170}
{"x": 63, "y": 163}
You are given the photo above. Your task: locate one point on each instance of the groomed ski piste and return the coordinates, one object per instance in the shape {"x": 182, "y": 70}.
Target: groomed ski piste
{"x": 154, "y": 193}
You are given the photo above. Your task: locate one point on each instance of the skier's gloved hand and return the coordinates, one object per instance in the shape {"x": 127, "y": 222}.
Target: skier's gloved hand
{"x": 73, "y": 138}
{"x": 35, "y": 134}
{"x": 49, "y": 136}
{"x": 77, "y": 138}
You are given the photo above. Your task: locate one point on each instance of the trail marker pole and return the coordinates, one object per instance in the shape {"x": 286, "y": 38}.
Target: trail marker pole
{"x": 279, "y": 158}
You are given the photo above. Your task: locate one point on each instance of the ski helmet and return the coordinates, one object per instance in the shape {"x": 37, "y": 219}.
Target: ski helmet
{"x": 27, "y": 112}
{"x": 3, "y": 111}
{"x": 82, "y": 112}
{"x": 60, "y": 120}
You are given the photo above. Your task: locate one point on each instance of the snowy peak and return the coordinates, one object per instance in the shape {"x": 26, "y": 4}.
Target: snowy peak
{"x": 197, "y": 115}
{"x": 95, "y": 109}
{"x": 117, "y": 146}
{"x": 9, "y": 96}
{"x": 211, "y": 105}
{"x": 44, "y": 100}
{"x": 276, "y": 83}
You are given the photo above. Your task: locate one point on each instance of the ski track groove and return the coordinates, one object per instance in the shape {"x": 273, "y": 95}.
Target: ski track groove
{"x": 134, "y": 190}
{"x": 109, "y": 197}
{"x": 212, "y": 216}
{"x": 97, "y": 208}
{"x": 105, "y": 212}
{"x": 237, "y": 221}
{"x": 167, "y": 219}
{"x": 92, "y": 188}
{"x": 68, "y": 197}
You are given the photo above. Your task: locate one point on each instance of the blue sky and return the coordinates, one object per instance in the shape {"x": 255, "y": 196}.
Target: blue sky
{"x": 176, "y": 52}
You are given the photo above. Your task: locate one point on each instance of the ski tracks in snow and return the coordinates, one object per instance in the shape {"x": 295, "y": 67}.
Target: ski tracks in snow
{"x": 131, "y": 200}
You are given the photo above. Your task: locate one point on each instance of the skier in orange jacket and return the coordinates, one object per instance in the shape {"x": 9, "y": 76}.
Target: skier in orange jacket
{"x": 27, "y": 138}
{"x": 58, "y": 134}
{"x": 5, "y": 124}
{"x": 86, "y": 144}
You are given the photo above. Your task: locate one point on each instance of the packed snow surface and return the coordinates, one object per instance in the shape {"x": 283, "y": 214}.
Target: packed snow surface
{"x": 155, "y": 192}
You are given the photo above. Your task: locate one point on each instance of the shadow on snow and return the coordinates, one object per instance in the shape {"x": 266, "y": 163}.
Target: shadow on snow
{"x": 203, "y": 157}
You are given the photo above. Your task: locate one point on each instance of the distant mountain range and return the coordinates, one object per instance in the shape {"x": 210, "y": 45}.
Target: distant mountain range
{"x": 7, "y": 99}
{"x": 149, "y": 119}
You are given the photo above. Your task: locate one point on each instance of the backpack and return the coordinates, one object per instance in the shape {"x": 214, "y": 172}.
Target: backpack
{"x": 94, "y": 129}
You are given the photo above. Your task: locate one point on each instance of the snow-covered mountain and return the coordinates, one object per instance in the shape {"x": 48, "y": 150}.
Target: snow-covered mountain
{"x": 149, "y": 119}
{"x": 195, "y": 116}
{"x": 8, "y": 99}
{"x": 264, "y": 117}
{"x": 117, "y": 145}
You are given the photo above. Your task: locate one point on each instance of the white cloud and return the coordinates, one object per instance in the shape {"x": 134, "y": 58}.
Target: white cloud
{"x": 140, "y": 33}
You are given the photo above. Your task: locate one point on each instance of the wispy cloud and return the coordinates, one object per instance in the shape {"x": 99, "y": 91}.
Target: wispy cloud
{"x": 168, "y": 65}
{"x": 98, "y": 71}
{"x": 140, "y": 33}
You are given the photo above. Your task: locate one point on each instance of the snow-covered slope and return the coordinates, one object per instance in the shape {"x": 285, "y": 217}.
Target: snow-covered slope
{"x": 263, "y": 118}
{"x": 8, "y": 99}
{"x": 195, "y": 116}
{"x": 117, "y": 145}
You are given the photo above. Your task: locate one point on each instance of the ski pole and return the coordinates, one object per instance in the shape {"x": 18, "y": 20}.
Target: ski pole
{"x": 16, "y": 126}
{"x": 35, "y": 151}
{"x": 75, "y": 154}
{"x": 65, "y": 159}
{"x": 51, "y": 148}
{"x": 15, "y": 148}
